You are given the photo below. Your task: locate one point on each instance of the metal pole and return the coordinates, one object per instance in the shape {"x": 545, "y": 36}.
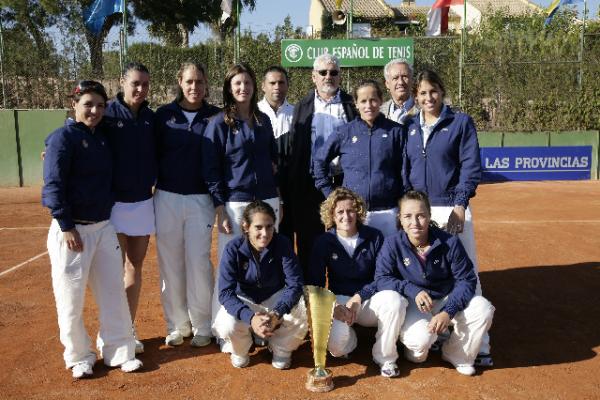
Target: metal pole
{"x": 124, "y": 31}
{"x": 236, "y": 38}
{"x": 461, "y": 59}
{"x": 581, "y": 47}
{"x": 2, "y": 66}
{"x": 349, "y": 36}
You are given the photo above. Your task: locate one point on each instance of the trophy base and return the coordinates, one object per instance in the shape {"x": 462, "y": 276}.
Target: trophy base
{"x": 319, "y": 384}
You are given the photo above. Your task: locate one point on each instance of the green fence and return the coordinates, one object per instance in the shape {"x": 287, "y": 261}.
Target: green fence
{"x": 22, "y": 134}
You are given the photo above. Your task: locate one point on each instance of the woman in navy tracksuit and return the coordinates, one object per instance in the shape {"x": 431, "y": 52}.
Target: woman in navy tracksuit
{"x": 443, "y": 160}
{"x": 82, "y": 243}
{"x": 240, "y": 154}
{"x": 184, "y": 210}
{"x": 344, "y": 256}
{"x": 431, "y": 269}
{"x": 130, "y": 124}
{"x": 370, "y": 149}
{"x": 260, "y": 284}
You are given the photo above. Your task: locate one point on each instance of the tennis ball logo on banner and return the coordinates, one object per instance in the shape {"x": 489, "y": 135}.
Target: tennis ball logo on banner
{"x": 293, "y": 53}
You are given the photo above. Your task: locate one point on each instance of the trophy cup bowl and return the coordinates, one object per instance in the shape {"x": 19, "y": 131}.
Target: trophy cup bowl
{"x": 320, "y": 303}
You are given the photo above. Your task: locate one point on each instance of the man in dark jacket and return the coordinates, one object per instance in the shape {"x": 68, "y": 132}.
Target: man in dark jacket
{"x": 316, "y": 116}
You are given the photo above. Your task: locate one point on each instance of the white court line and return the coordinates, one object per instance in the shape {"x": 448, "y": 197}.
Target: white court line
{"x": 23, "y": 263}
{"x": 23, "y": 227}
{"x": 547, "y": 221}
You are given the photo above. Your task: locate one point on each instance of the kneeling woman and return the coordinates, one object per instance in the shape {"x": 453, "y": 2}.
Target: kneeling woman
{"x": 82, "y": 244}
{"x": 346, "y": 254}
{"x": 260, "y": 284}
{"x": 433, "y": 271}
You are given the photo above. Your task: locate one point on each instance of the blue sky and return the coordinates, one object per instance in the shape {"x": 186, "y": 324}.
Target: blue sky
{"x": 270, "y": 13}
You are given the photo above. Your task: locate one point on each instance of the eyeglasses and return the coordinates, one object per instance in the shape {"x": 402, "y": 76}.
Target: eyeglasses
{"x": 332, "y": 72}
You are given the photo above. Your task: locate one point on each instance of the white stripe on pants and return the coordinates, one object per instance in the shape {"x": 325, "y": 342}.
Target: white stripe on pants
{"x": 99, "y": 264}
{"x": 470, "y": 326}
{"x": 384, "y": 220}
{"x": 235, "y": 209}
{"x": 284, "y": 341}
{"x": 440, "y": 215}
{"x": 184, "y": 226}
{"x": 385, "y": 310}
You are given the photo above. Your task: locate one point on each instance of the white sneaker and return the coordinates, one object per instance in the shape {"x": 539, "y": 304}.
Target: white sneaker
{"x": 82, "y": 370}
{"x": 281, "y": 362}
{"x": 463, "y": 369}
{"x": 224, "y": 345}
{"x": 239, "y": 361}
{"x": 174, "y": 338}
{"x": 200, "y": 341}
{"x": 131, "y": 365}
{"x": 139, "y": 346}
{"x": 186, "y": 331}
{"x": 389, "y": 369}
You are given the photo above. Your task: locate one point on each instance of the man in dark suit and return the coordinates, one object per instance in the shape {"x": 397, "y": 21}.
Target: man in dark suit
{"x": 316, "y": 116}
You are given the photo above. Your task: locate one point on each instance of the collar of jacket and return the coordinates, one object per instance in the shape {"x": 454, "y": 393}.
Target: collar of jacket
{"x": 203, "y": 111}
{"x": 379, "y": 122}
{"x": 71, "y": 123}
{"x": 246, "y": 248}
{"x": 364, "y": 233}
{"x": 121, "y": 99}
{"x": 436, "y": 238}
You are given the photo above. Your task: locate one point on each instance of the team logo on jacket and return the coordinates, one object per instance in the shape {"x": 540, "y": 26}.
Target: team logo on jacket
{"x": 406, "y": 262}
{"x": 120, "y": 124}
{"x": 354, "y": 139}
{"x": 245, "y": 265}
{"x": 334, "y": 256}
{"x": 384, "y": 135}
{"x": 413, "y": 132}
{"x": 84, "y": 143}
{"x": 444, "y": 129}
{"x": 436, "y": 261}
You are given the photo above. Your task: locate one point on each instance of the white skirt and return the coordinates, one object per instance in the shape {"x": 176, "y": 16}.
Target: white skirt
{"x": 134, "y": 219}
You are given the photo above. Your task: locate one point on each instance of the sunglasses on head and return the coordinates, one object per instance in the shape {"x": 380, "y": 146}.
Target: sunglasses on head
{"x": 332, "y": 72}
{"x": 84, "y": 86}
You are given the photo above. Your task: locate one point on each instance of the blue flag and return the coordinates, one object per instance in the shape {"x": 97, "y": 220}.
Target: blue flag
{"x": 550, "y": 11}
{"x": 96, "y": 13}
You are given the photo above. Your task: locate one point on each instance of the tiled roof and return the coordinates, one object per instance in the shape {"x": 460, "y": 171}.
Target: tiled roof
{"x": 408, "y": 10}
{"x": 513, "y": 7}
{"x": 362, "y": 8}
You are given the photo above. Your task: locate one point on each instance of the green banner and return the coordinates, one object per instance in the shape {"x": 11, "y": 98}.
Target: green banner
{"x": 351, "y": 52}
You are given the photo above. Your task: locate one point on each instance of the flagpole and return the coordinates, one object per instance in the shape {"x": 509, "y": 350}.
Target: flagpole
{"x": 236, "y": 39}
{"x": 2, "y": 66}
{"x": 461, "y": 60}
{"x": 124, "y": 30}
{"x": 581, "y": 47}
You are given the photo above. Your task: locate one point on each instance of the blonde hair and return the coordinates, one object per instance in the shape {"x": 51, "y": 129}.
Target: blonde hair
{"x": 340, "y": 194}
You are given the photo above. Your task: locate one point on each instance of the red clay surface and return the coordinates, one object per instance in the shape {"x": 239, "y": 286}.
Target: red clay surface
{"x": 539, "y": 255}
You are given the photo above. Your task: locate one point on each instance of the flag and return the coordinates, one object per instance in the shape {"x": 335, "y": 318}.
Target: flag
{"x": 437, "y": 17}
{"x": 550, "y": 11}
{"x": 96, "y": 13}
{"x": 226, "y": 8}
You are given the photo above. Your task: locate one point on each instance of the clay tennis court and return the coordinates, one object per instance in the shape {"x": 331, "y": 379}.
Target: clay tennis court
{"x": 539, "y": 255}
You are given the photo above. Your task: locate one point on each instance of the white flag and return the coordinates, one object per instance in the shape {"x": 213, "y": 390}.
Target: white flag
{"x": 226, "y": 8}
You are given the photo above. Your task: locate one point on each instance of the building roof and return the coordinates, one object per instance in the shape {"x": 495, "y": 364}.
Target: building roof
{"x": 410, "y": 10}
{"x": 514, "y": 7}
{"x": 362, "y": 8}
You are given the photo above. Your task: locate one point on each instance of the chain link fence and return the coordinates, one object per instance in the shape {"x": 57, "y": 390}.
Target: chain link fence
{"x": 516, "y": 81}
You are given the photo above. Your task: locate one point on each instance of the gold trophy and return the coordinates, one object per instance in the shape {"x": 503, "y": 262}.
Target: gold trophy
{"x": 320, "y": 304}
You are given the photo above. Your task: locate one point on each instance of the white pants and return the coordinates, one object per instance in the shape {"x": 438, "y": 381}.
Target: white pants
{"x": 470, "y": 326}
{"x": 235, "y": 210}
{"x": 440, "y": 215}
{"x": 284, "y": 341}
{"x": 384, "y": 220}
{"x": 99, "y": 264}
{"x": 184, "y": 226}
{"x": 385, "y": 310}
